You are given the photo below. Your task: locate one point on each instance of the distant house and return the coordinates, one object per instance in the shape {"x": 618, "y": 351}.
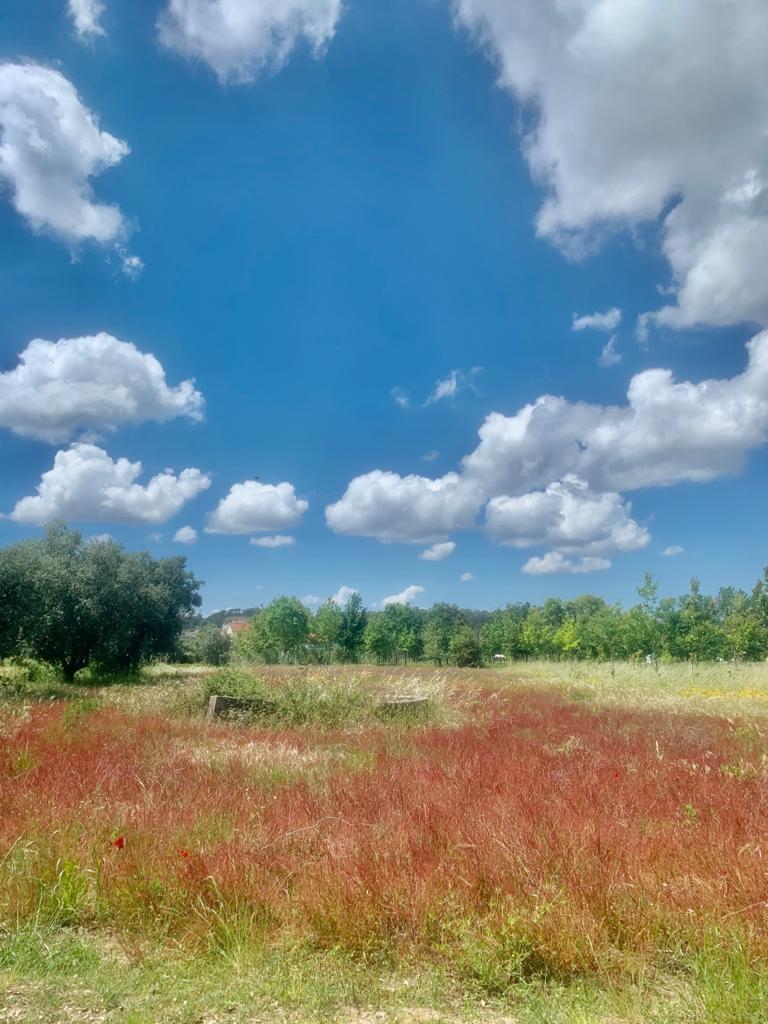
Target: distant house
{"x": 234, "y": 626}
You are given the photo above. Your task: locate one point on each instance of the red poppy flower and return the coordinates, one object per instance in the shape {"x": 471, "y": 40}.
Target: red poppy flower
{"x": 183, "y": 853}
{"x": 119, "y": 842}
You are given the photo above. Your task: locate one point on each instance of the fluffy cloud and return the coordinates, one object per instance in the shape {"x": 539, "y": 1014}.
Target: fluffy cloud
{"x": 277, "y": 540}
{"x": 568, "y": 517}
{"x": 417, "y": 509}
{"x": 185, "y": 535}
{"x": 253, "y": 507}
{"x": 85, "y": 15}
{"x": 91, "y": 383}
{"x": 50, "y": 148}
{"x": 467, "y": 577}
{"x": 607, "y": 321}
{"x": 86, "y": 484}
{"x": 615, "y": 144}
{"x": 404, "y": 597}
{"x": 240, "y": 38}
{"x": 438, "y": 552}
{"x": 553, "y": 561}
{"x": 343, "y": 594}
{"x": 668, "y": 432}
{"x": 672, "y": 550}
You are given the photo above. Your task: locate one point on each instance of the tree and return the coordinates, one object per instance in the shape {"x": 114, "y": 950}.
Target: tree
{"x": 327, "y": 627}
{"x": 442, "y": 622}
{"x": 354, "y": 619}
{"x": 78, "y": 603}
{"x": 278, "y": 632}
{"x": 465, "y": 648}
{"x": 211, "y": 646}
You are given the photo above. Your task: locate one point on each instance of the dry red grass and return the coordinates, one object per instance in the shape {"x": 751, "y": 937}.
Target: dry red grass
{"x": 569, "y": 837}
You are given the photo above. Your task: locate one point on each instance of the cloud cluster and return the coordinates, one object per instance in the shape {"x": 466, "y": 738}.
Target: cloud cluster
{"x": 50, "y": 148}
{"x": 414, "y": 509}
{"x": 238, "y": 39}
{"x": 85, "y": 15}
{"x": 566, "y": 516}
{"x": 94, "y": 383}
{"x": 684, "y": 140}
{"x": 668, "y": 432}
{"x": 85, "y": 484}
{"x": 254, "y": 507}
{"x": 553, "y": 472}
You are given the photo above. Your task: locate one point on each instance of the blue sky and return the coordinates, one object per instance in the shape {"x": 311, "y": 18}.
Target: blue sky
{"x": 365, "y": 218}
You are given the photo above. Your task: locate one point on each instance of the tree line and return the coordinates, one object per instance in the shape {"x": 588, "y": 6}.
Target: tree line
{"x": 733, "y": 624}
{"x": 76, "y": 603}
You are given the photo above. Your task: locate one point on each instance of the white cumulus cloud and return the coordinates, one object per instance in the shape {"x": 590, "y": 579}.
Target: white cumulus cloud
{"x": 86, "y": 15}
{"x": 438, "y": 552}
{"x": 467, "y": 577}
{"x": 640, "y": 112}
{"x": 277, "y": 540}
{"x": 50, "y": 148}
{"x": 86, "y": 484}
{"x": 668, "y": 432}
{"x": 672, "y": 550}
{"x": 254, "y": 507}
{"x": 607, "y": 321}
{"x": 404, "y": 597}
{"x": 185, "y": 535}
{"x": 416, "y": 509}
{"x": 553, "y": 561}
{"x": 91, "y": 383}
{"x": 568, "y": 517}
{"x": 238, "y": 39}
{"x": 343, "y": 594}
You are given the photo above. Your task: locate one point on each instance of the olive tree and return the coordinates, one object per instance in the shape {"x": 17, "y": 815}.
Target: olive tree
{"x": 75, "y": 603}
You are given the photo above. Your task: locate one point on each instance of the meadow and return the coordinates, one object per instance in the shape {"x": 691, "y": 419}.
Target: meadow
{"x": 547, "y": 842}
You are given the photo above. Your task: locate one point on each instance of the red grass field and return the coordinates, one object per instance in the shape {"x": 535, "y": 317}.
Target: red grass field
{"x": 544, "y": 838}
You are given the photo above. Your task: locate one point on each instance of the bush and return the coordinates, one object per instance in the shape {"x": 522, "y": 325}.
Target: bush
{"x": 211, "y": 646}
{"x": 465, "y": 648}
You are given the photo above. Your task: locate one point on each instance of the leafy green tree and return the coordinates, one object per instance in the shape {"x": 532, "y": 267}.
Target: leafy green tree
{"x": 378, "y": 639}
{"x": 354, "y": 619}
{"x": 279, "y": 632}
{"x": 210, "y": 646}
{"x": 443, "y": 620}
{"x": 92, "y": 603}
{"x": 465, "y": 649}
{"x": 327, "y": 627}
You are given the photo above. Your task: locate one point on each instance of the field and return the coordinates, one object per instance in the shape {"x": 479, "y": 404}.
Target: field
{"x": 560, "y": 844}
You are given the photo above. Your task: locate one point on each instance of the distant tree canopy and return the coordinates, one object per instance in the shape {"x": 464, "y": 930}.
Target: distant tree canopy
{"x": 75, "y": 603}
{"x": 733, "y": 624}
